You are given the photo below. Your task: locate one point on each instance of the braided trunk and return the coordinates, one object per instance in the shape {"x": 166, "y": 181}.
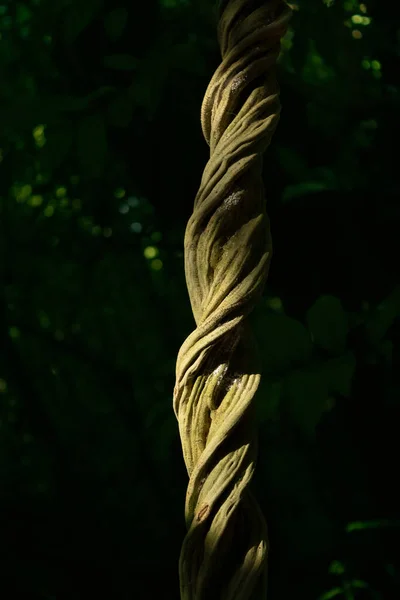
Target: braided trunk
{"x": 227, "y": 254}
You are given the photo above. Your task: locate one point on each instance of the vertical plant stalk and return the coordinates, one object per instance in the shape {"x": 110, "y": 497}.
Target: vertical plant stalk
{"x": 227, "y": 254}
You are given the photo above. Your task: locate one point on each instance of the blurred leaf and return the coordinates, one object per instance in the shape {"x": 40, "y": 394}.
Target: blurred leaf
{"x": 58, "y": 145}
{"x": 315, "y": 70}
{"x": 306, "y": 392}
{"x": 386, "y": 350}
{"x": 293, "y": 163}
{"x": 358, "y": 583}
{"x": 314, "y": 180}
{"x": 268, "y": 400}
{"x": 301, "y": 189}
{"x": 299, "y": 49}
{"x": 78, "y": 17}
{"x": 328, "y": 324}
{"x": 115, "y": 22}
{"x": 336, "y": 567}
{"x": 383, "y": 317}
{"x": 339, "y": 373}
{"x": 189, "y": 57}
{"x": 377, "y": 524}
{"x": 79, "y": 103}
{"x": 146, "y": 95}
{"x": 285, "y": 342}
{"x": 305, "y": 396}
{"x": 331, "y": 594}
{"x": 162, "y": 443}
{"x": 147, "y": 89}
{"x": 120, "y": 110}
{"x": 173, "y": 3}
{"x": 121, "y": 62}
{"x": 22, "y": 13}
{"x": 92, "y": 144}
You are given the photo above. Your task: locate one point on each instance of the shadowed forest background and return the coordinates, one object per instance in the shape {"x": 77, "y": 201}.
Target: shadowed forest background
{"x": 101, "y": 155}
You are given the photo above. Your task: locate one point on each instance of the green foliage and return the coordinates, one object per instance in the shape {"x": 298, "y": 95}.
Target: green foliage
{"x": 287, "y": 344}
{"x": 92, "y": 145}
{"x": 331, "y": 594}
{"x": 328, "y": 325}
{"x": 301, "y": 189}
{"x": 122, "y": 62}
{"x": 311, "y": 391}
{"x": 78, "y": 16}
{"x": 120, "y": 110}
{"x": 115, "y": 22}
{"x": 383, "y": 317}
{"x": 360, "y": 525}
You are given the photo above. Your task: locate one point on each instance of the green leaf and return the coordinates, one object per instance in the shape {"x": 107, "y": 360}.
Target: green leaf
{"x": 173, "y": 3}
{"x": 285, "y": 342}
{"x": 307, "y": 392}
{"x": 92, "y": 144}
{"x": 301, "y": 189}
{"x": 331, "y": 594}
{"x": 339, "y": 374}
{"x": 120, "y": 110}
{"x": 377, "y": 524}
{"x": 79, "y": 103}
{"x": 115, "y": 23}
{"x": 359, "y": 583}
{"x": 121, "y": 62}
{"x": 328, "y": 324}
{"x": 58, "y": 145}
{"x": 188, "y": 56}
{"x": 78, "y": 17}
{"x": 386, "y": 351}
{"x": 305, "y": 398}
{"x": 146, "y": 95}
{"x": 383, "y": 317}
{"x": 293, "y": 163}
{"x": 336, "y": 567}
{"x": 22, "y": 13}
{"x": 268, "y": 400}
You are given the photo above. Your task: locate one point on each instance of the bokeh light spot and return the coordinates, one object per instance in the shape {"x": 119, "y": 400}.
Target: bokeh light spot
{"x": 48, "y": 211}
{"x": 119, "y": 193}
{"x": 150, "y": 252}
{"x": 14, "y": 333}
{"x": 136, "y": 227}
{"x": 156, "y": 264}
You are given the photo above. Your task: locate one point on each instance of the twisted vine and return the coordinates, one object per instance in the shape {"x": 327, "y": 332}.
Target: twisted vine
{"x": 227, "y": 254}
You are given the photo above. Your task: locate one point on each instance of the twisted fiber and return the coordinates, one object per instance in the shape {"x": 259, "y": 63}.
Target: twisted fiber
{"x": 227, "y": 254}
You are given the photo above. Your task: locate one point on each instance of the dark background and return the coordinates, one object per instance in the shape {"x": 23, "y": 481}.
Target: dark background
{"x": 101, "y": 155}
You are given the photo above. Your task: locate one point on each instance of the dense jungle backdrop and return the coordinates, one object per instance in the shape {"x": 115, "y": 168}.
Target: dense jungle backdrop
{"x": 101, "y": 154}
